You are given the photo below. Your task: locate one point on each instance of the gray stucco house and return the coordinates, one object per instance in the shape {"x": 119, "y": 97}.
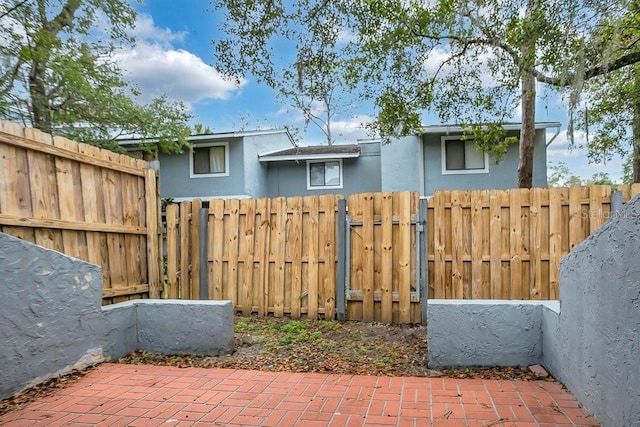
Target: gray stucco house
{"x": 267, "y": 163}
{"x": 440, "y": 160}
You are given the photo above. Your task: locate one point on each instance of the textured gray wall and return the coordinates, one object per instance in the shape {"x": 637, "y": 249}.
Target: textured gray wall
{"x": 597, "y": 352}
{"x": 175, "y": 181}
{"x": 50, "y": 319}
{"x": 360, "y": 175}
{"x": 185, "y": 327}
{"x": 484, "y": 333}
{"x": 121, "y": 335}
{"x": 501, "y": 176}
{"x": 255, "y": 173}
{"x": 400, "y": 164}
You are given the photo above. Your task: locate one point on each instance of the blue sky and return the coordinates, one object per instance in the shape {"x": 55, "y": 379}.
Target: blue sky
{"x": 175, "y": 54}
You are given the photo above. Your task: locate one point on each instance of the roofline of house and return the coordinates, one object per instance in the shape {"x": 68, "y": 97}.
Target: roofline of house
{"x": 507, "y": 126}
{"x": 292, "y": 157}
{"x": 209, "y": 198}
{"x": 208, "y": 137}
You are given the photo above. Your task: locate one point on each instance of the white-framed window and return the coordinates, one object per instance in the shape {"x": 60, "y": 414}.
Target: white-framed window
{"x": 460, "y": 156}
{"x": 324, "y": 174}
{"x": 209, "y": 160}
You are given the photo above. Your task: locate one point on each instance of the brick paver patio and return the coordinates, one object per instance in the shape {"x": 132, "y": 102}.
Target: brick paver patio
{"x": 143, "y": 395}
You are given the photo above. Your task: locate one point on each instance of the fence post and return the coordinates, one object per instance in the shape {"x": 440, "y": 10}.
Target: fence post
{"x": 154, "y": 253}
{"x": 203, "y": 242}
{"x": 424, "y": 260}
{"x": 616, "y": 203}
{"x": 342, "y": 260}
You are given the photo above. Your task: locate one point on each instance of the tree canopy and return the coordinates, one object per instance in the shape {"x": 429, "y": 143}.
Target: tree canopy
{"x": 57, "y": 74}
{"x": 472, "y": 63}
{"x": 304, "y": 67}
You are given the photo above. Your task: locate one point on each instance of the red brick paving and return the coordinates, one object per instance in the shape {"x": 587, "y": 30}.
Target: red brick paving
{"x": 143, "y": 395}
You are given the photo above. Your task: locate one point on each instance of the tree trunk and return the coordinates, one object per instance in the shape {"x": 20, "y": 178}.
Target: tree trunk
{"x": 527, "y": 132}
{"x": 41, "y": 113}
{"x": 528, "y": 100}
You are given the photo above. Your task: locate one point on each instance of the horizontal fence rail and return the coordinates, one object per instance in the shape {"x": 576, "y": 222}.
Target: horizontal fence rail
{"x": 89, "y": 203}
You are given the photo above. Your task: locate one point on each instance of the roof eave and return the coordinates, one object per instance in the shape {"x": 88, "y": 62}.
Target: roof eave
{"x": 296, "y": 157}
{"x": 507, "y": 126}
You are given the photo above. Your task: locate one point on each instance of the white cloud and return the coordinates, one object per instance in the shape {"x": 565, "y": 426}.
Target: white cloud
{"x": 438, "y": 56}
{"x": 347, "y": 36}
{"x": 352, "y": 129}
{"x": 145, "y": 29}
{"x": 179, "y": 74}
{"x": 158, "y": 68}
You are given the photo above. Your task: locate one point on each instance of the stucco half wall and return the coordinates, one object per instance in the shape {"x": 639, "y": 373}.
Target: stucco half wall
{"x": 52, "y": 322}
{"x": 589, "y": 340}
{"x": 596, "y": 353}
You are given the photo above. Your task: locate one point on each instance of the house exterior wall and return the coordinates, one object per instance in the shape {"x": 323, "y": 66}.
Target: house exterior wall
{"x": 360, "y": 175}
{"x": 256, "y": 174}
{"x": 175, "y": 181}
{"x": 500, "y": 176}
{"x": 400, "y": 164}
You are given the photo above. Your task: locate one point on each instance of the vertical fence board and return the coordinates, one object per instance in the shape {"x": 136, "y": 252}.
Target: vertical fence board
{"x": 194, "y": 241}
{"x": 295, "y": 248}
{"x": 387, "y": 259}
{"x": 216, "y": 237}
{"x": 262, "y": 251}
{"x": 248, "y": 209}
{"x": 440, "y": 230}
{"x": 515, "y": 225}
{"x": 535, "y": 248}
{"x": 477, "y": 233}
{"x": 279, "y": 242}
{"x": 44, "y": 195}
{"x": 312, "y": 264}
{"x": 555, "y": 240}
{"x": 457, "y": 249}
{"x": 172, "y": 212}
{"x": 232, "y": 209}
{"x": 68, "y": 192}
{"x": 405, "y": 251}
{"x": 91, "y": 202}
{"x": 185, "y": 250}
{"x": 328, "y": 235}
{"x": 366, "y": 201}
{"x": 495, "y": 246}
{"x": 575, "y": 216}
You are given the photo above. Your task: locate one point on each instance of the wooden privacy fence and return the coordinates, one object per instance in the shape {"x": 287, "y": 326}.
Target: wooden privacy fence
{"x": 507, "y": 244}
{"x": 307, "y": 256}
{"x": 89, "y": 203}
{"x": 288, "y": 256}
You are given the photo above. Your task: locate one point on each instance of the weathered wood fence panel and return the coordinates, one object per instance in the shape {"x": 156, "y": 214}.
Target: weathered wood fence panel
{"x": 383, "y": 285}
{"x": 89, "y": 203}
{"x": 507, "y": 244}
{"x": 267, "y": 256}
{"x": 279, "y": 256}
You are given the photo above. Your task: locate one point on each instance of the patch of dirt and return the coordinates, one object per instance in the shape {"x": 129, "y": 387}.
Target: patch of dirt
{"x": 353, "y": 348}
{"x": 281, "y": 344}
